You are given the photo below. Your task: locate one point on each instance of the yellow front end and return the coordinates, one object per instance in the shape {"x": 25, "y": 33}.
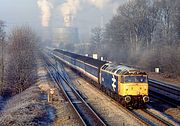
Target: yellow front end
{"x": 133, "y": 89}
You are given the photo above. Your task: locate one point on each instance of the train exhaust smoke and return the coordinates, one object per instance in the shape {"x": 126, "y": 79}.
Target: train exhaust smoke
{"x": 45, "y": 7}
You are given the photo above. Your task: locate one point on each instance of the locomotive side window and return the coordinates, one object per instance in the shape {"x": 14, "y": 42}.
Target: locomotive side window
{"x": 122, "y": 79}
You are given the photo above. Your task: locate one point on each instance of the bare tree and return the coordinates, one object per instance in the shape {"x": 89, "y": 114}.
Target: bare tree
{"x": 96, "y": 39}
{"x": 22, "y": 48}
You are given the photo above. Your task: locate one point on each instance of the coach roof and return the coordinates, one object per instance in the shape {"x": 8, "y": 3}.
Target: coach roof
{"x": 89, "y": 60}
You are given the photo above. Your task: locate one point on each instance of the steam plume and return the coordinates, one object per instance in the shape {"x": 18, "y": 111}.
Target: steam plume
{"x": 68, "y": 10}
{"x": 45, "y": 7}
{"x": 99, "y": 3}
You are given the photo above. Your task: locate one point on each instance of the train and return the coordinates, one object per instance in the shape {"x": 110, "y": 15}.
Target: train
{"x": 125, "y": 84}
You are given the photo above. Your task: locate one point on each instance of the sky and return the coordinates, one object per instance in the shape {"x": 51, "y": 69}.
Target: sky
{"x": 40, "y": 14}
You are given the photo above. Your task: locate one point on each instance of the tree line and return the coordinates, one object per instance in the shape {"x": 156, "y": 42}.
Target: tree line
{"x": 144, "y": 33}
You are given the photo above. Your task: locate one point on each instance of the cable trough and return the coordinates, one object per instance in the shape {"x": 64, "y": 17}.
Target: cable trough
{"x": 87, "y": 115}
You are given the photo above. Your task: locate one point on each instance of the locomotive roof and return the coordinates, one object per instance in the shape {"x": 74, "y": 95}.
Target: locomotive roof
{"x": 121, "y": 69}
{"x": 89, "y": 60}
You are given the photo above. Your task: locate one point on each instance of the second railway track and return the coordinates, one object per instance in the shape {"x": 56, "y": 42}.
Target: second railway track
{"x": 165, "y": 91}
{"x": 151, "y": 118}
{"x": 86, "y": 114}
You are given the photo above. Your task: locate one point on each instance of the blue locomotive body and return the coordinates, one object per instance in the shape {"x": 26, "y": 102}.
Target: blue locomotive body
{"x": 109, "y": 81}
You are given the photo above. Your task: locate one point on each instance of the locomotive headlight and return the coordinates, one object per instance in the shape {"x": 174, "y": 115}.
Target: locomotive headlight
{"x": 127, "y": 99}
{"x": 145, "y": 98}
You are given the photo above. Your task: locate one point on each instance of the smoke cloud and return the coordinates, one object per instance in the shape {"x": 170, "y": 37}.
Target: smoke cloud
{"x": 70, "y": 7}
{"x": 45, "y": 7}
{"x": 99, "y": 3}
{"x": 69, "y": 10}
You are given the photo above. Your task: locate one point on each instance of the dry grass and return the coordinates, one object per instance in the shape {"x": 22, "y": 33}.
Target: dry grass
{"x": 27, "y": 108}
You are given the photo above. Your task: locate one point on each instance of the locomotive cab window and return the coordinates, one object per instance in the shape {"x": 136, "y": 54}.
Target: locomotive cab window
{"x": 136, "y": 79}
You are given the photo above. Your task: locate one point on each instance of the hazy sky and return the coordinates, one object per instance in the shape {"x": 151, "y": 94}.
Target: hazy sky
{"x": 16, "y": 12}
{"x": 87, "y": 13}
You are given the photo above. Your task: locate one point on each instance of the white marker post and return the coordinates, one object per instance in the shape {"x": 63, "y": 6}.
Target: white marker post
{"x": 102, "y": 58}
{"x": 95, "y": 56}
{"x": 157, "y": 70}
{"x": 50, "y": 94}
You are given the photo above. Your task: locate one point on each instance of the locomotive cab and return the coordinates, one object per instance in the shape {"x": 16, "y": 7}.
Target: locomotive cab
{"x": 135, "y": 86}
{"x": 129, "y": 84}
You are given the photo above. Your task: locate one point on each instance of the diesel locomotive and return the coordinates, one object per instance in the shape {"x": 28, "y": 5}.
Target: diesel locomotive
{"x": 126, "y": 85}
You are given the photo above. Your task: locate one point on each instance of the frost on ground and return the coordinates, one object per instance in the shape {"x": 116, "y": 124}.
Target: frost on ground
{"x": 27, "y": 108}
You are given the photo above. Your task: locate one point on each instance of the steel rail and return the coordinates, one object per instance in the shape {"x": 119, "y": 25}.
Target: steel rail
{"x": 167, "y": 92}
{"x": 165, "y": 86}
{"x": 84, "y": 111}
{"x": 157, "y": 117}
{"x": 146, "y": 116}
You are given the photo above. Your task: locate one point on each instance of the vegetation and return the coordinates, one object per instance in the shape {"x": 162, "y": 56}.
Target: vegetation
{"x": 144, "y": 33}
{"x": 20, "y": 70}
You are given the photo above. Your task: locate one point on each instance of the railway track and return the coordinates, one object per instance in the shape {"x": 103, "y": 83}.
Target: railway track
{"x": 86, "y": 114}
{"x": 151, "y": 118}
{"x": 165, "y": 92}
